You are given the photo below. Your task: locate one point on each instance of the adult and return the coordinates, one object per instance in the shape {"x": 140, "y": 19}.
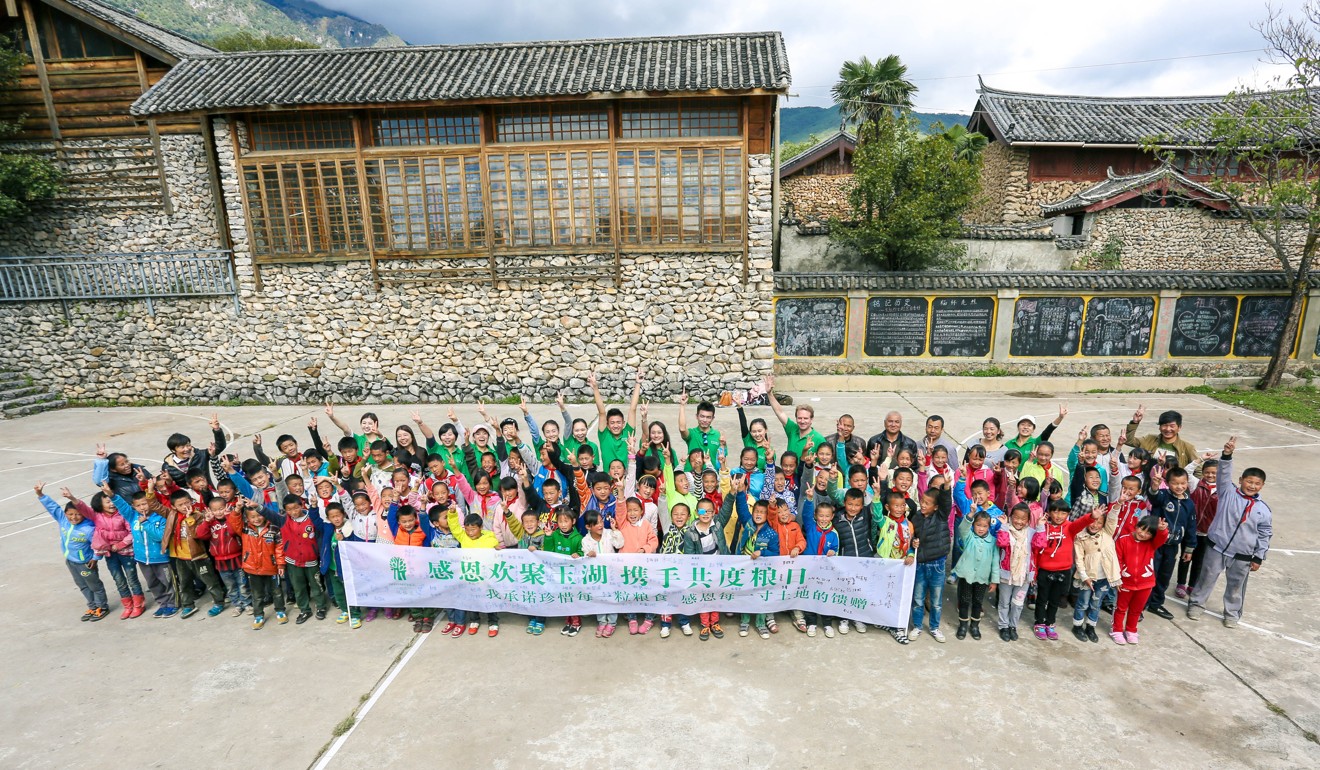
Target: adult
{"x": 185, "y": 458}
{"x": 1167, "y": 442}
{"x": 125, "y": 478}
{"x": 935, "y": 437}
{"x": 1025, "y": 441}
{"x": 846, "y": 443}
{"x": 798, "y": 430}
{"x": 892, "y": 436}
{"x": 991, "y": 439}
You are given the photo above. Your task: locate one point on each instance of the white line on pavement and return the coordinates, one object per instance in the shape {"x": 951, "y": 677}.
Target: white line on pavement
{"x": 43, "y": 451}
{"x": 48, "y": 483}
{"x": 1257, "y": 629}
{"x": 21, "y": 531}
{"x": 40, "y": 465}
{"x": 379, "y": 690}
{"x": 1248, "y": 415}
{"x": 1290, "y": 552}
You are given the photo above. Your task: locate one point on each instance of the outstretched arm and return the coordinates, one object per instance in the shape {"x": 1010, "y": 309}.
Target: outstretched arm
{"x": 774, "y": 402}
{"x": 600, "y": 402}
{"x": 636, "y": 398}
{"x": 330, "y": 412}
{"x": 682, "y": 415}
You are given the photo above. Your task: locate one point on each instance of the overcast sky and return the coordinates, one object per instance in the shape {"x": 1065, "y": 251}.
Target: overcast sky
{"x": 1008, "y": 42}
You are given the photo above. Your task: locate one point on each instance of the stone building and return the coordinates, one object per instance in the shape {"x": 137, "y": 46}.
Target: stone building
{"x": 814, "y": 184}
{"x": 447, "y": 222}
{"x": 1075, "y": 167}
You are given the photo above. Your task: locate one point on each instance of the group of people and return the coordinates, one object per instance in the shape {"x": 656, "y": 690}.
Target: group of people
{"x": 1016, "y": 522}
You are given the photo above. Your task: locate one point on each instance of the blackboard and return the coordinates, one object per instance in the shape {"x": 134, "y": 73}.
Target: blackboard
{"x": 1260, "y": 322}
{"x": 1118, "y": 326}
{"x": 896, "y": 326}
{"x": 962, "y": 326}
{"x": 1046, "y": 326}
{"x": 811, "y": 326}
{"x": 1202, "y": 326}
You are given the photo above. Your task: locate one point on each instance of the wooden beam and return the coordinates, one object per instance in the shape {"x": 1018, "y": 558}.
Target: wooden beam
{"x": 747, "y": 195}
{"x": 113, "y": 30}
{"x": 616, "y": 210}
{"x": 360, "y": 141}
{"x": 11, "y": 8}
{"x": 39, "y": 60}
{"x": 154, "y": 133}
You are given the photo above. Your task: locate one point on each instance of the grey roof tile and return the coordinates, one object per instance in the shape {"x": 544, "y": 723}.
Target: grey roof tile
{"x": 790, "y": 165}
{"x": 166, "y": 40}
{"x": 729, "y": 62}
{"x": 1067, "y": 280}
{"x": 1117, "y": 185}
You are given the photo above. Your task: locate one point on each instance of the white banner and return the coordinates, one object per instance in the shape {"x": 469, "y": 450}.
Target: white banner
{"x": 535, "y": 583}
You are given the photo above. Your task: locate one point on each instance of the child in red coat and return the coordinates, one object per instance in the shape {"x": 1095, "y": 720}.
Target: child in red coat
{"x": 1136, "y": 559}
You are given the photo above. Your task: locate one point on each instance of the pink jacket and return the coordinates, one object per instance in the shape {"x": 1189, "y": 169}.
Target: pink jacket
{"x": 113, "y": 532}
{"x": 637, "y": 538}
{"x": 1006, "y": 560}
{"x": 489, "y": 506}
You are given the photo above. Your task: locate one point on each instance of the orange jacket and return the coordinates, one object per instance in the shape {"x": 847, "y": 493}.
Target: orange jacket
{"x": 404, "y": 537}
{"x": 263, "y": 548}
{"x": 790, "y": 536}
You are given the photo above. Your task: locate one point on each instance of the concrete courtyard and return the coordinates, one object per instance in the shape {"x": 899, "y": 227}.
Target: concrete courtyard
{"x": 210, "y": 692}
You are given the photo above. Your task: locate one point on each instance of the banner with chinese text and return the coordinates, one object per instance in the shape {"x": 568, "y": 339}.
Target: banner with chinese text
{"x": 877, "y": 591}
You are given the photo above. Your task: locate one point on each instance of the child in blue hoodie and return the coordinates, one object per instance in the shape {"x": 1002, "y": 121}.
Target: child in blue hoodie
{"x": 330, "y": 532}
{"x": 76, "y": 546}
{"x": 817, "y": 522}
{"x": 977, "y": 571}
{"x": 756, "y": 540}
{"x": 152, "y": 560}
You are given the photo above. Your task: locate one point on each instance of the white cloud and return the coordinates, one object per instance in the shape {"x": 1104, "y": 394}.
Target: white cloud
{"x": 935, "y": 39}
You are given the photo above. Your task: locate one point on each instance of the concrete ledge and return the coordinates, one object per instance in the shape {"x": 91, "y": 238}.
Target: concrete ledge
{"x": 862, "y": 383}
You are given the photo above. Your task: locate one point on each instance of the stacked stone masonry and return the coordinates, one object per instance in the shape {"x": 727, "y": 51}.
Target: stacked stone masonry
{"x": 817, "y": 198}
{"x": 1176, "y": 238}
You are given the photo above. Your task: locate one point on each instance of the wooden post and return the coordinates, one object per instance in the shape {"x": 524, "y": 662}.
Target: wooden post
{"x": 39, "y": 59}
{"x": 155, "y": 137}
{"x": 747, "y": 187}
{"x": 359, "y": 141}
{"x": 616, "y": 209}
{"x": 1164, "y": 319}
{"x": 226, "y": 240}
{"x": 1309, "y": 331}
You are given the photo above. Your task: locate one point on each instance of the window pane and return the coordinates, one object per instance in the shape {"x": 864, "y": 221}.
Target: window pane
{"x": 304, "y": 208}
{"x": 422, "y": 127}
{"x": 545, "y": 123}
{"x": 302, "y": 132}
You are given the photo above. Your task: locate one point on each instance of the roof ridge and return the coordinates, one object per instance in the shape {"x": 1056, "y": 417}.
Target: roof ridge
{"x": 114, "y": 9}
{"x": 358, "y": 50}
{"x": 986, "y": 89}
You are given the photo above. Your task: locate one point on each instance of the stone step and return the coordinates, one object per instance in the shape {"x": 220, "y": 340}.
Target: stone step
{"x": 6, "y": 378}
{"x": 19, "y": 389}
{"x": 34, "y": 408}
{"x": 8, "y": 405}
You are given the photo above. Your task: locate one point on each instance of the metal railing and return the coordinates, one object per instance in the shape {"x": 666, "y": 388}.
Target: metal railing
{"x": 143, "y": 276}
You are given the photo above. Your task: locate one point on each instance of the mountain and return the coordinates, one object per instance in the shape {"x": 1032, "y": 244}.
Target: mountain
{"x": 303, "y": 19}
{"x": 799, "y": 123}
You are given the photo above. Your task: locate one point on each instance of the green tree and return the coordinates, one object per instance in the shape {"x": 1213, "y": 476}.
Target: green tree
{"x": 1271, "y": 136}
{"x": 24, "y": 177}
{"x": 789, "y": 150}
{"x": 967, "y": 145}
{"x": 908, "y": 194}
{"x": 869, "y": 91}
{"x": 245, "y": 40}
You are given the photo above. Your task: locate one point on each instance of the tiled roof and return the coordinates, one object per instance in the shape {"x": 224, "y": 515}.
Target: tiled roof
{"x": 1066, "y": 280}
{"x": 1023, "y": 117}
{"x": 847, "y": 138}
{"x": 172, "y": 43}
{"x": 1115, "y": 186}
{"x": 729, "y": 62}
{"x": 1027, "y": 231}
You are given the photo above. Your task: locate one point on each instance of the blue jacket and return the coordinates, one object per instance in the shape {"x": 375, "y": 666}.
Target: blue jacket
{"x": 325, "y": 538}
{"x": 764, "y": 539}
{"x": 818, "y": 543}
{"x": 1181, "y": 515}
{"x": 147, "y": 535}
{"x": 75, "y": 539}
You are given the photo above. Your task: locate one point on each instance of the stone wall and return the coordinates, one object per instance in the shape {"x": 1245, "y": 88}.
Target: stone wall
{"x": 322, "y": 330}
{"x": 818, "y": 197}
{"x": 109, "y": 168}
{"x": 1175, "y": 238}
{"x": 1008, "y": 195}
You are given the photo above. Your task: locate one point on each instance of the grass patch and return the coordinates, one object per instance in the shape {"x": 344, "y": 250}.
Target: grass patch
{"x": 105, "y": 403}
{"x": 344, "y": 725}
{"x": 989, "y": 371}
{"x": 507, "y": 400}
{"x": 1300, "y": 405}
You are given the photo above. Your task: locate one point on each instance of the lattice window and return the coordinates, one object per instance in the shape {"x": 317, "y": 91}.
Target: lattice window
{"x": 423, "y": 127}
{"x": 550, "y": 198}
{"x": 307, "y": 207}
{"x": 551, "y": 123}
{"x": 687, "y": 195}
{"x": 679, "y": 118}
{"x": 301, "y": 132}
{"x": 428, "y": 204}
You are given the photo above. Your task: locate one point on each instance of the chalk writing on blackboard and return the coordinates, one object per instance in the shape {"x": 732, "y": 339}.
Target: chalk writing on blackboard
{"x": 1202, "y": 326}
{"x": 895, "y": 326}
{"x": 1260, "y": 322}
{"x": 962, "y": 326}
{"x": 1118, "y": 326}
{"x": 811, "y": 326}
{"x": 1046, "y": 326}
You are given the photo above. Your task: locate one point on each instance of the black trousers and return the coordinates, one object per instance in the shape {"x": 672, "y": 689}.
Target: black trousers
{"x": 1189, "y": 571}
{"x": 188, "y": 570}
{"x": 1051, "y": 587}
{"x": 265, "y": 590}
{"x": 1166, "y": 558}
{"x": 970, "y": 598}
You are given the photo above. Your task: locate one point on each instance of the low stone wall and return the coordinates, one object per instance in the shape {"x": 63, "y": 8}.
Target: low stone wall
{"x": 80, "y": 223}
{"x": 819, "y": 197}
{"x": 1176, "y": 238}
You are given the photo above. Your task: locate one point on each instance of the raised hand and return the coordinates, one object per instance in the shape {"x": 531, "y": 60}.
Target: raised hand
{"x": 683, "y": 398}
{"x": 522, "y": 403}
{"x": 559, "y": 400}
{"x": 450, "y": 415}
{"x": 311, "y": 424}
{"x": 256, "y": 440}
{"x": 1082, "y": 434}
{"x": 1063, "y": 412}
{"x": 1140, "y": 413}
{"x": 481, "y": 410}
{"x": 215, "y": 421}
{"x": 1122, "y": 441}
{"x": 592, "y": 380}
{"x": 39, "y": 487}
{"x": 1230, "y": 445}
{"x": 226, "y": 465}
{"x": 67, "y": 493}
{"x": 329, "y": 410}
{"x": 100, "y": 451}
{"x": 416, "y": 417}
{"x": 633, "y": 443}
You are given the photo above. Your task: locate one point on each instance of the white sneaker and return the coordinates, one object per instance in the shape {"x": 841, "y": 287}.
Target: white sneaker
{"x": 239, "y": 610}
{"x": 686, "y": 629}
{"x": 843, "y": 626}
{"x": 935, "y": 634}
{"x": 664, "y": 632}
{"x": 861, "y": 627}
{"x": 811, "y": 630}
{"x": 829, "y": 632}
{"x": 914, "y": 633}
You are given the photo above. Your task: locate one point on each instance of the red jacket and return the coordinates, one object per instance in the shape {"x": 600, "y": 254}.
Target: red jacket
{"x": 223, "y": 542}
{"x": 1128, "y": 514}
{"x": 1053, "y": 544}
{"x": 1136, "y": 559}
{"x": 1206, "y": 500}
{"x": 300, "y": 548}
{"x": 263, "y": 551}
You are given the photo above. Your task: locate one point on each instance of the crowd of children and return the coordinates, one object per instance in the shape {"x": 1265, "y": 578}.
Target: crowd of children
{"x": 1112, "y": 524}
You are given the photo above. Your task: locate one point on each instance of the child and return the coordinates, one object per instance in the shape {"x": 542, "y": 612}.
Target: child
{"x": 706, "y": 537}
{"x": 758, "y": 539}
{"x": 977, "y": 569}
{"x": 226, "y": 552}
{"x": 1087, "y": 496}
{"x": 1136, "y": 561}
{"x": 932, "y": 538}
{"x": 567, "y": 541}
{"x": 792, "y": 543}
{"x": 1042, "y": 467}
{"x": 189, "y": 556}
{"x": 474, "y": 535}
{"x": 1206, "y": 499}
{"x": 817, "y": 521}
{"x": 113, "y": 543}
{"x": 1017, "y": 569}
{"x": 1098, "y": 571}
{"x": 893, "y": 539}
{"x": 1053, "y": 545}
{"x": 1239, "y": 539}
{"x": 442, "y": 537}
{"x": 76, "y": 533}
{"x": 405, "y": 527}
{"x": 639, "y": 536}
{"x": 148, "y": 530}
{"x": 853, "y": 524}
{"x": 263, "y": 562}
{"x": 331, "y": 531}
{"x": 301, "y": 558}
{"x": 1174, "y": 505}
{"x": 595, "y": 543}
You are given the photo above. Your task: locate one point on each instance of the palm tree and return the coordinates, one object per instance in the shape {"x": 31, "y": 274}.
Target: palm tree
{"x": 868, "y": 92}
{"x": 967, "y": 145}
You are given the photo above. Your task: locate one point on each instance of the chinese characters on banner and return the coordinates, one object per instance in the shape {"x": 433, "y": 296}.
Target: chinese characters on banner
{"x": 877, "y": 591}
